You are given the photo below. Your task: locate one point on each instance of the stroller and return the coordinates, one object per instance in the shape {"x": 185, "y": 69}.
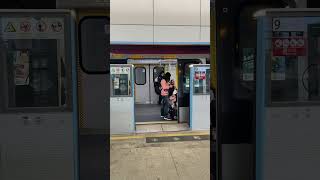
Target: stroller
{"x": 173, "y": 105}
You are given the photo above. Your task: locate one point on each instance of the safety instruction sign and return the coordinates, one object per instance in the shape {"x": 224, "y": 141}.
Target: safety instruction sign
{"x": 248, "y": 64}
{"x": 200, "y": 75}
{"x": 21, "y": 65}
{"x": 120, "y": 70}
{"x": 288, "y": 43}
{"x": 278, "y": 68}
{"x": 10, "y": 27}
{"x": 197, "y": 75}
{"x": 116, "y": 83}
{"x": 288, "y": 46}
{"x": 32, "y": 28}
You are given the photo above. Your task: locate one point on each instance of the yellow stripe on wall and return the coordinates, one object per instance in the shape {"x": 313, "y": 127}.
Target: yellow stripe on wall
{"x": 213, "y": 60}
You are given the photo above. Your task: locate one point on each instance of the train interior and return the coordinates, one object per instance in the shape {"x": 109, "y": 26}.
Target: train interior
{"x": 147, "y": 104}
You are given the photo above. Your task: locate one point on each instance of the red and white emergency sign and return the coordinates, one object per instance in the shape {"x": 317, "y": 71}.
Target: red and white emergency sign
{"x": 200, "y": 75}
{"x": 288, "y": 46}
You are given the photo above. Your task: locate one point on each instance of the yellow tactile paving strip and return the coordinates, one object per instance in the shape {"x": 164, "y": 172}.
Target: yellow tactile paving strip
{"x": 161, "y": 134}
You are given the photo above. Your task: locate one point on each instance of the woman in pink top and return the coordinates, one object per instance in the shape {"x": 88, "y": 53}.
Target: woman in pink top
{"x": 165, "y": 96}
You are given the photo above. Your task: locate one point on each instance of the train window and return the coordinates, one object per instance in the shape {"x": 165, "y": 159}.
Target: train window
{"x": 94, "y": 38}
{"x": 32, "y": 69}
{"x": 156, "y": 72}
{"x": 140, "y": 75}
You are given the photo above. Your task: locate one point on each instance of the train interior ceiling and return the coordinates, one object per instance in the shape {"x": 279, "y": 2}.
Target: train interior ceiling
{"x": 148, "y": 63}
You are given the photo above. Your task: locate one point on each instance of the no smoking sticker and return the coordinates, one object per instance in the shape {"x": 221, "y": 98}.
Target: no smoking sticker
{"x": 25, "y": 26}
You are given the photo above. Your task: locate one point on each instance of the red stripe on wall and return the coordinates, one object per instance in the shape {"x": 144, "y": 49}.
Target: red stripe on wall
{"x": 159, "y": 49}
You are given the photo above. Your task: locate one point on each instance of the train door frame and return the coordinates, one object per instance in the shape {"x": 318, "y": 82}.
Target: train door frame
{"x": 92, "y": 132}
{"x": 184, "y": 94}
{"x": 227, "y": 32}
{"x": 152, "y": 62}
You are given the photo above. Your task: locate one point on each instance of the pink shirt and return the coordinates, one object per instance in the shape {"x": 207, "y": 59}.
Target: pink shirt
{"x": 165, "y": 87}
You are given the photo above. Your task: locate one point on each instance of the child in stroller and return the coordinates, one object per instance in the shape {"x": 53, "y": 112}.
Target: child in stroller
{"x": 173, "y": 101}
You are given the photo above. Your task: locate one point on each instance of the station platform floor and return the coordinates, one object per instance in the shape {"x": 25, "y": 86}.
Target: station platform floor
{"x": 165, "y": 155}
{"x": 160, "y": 156}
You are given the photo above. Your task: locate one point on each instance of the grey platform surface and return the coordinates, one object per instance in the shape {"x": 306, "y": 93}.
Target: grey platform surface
{"x": 135, "y": 159}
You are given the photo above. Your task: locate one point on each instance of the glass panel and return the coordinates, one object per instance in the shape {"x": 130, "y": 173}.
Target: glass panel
{"x": 32, "y": 71}
{"x": 201, "y": 81}
{"x": 140, "y": 75}
{"x": 284, "y": 77}
{"x": 186, "y": 78}
{"x": 120, "y": 81}
{"x": 95, "y": 44}
{"x": 156, "y": 72}
{"x": 295, "y": 70}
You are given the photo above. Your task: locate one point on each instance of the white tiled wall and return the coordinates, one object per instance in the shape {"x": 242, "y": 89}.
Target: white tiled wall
{"x": 160, "y": 21}
{"x": 177, "y": 12}
{"x": 131, "y": 12}
{"x": 173, "y": 34}
{"x": 205, "y": 34}
{"x": 131, "y": 33}
{"x": 205, "y": 12}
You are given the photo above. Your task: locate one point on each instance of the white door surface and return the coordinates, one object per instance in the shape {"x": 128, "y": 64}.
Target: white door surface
{"x": 141, "y": 82}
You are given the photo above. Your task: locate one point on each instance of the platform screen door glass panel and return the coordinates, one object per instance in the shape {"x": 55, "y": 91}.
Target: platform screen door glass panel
{"x": 156, "y": 72}
{"x": 201, "y": 81}
{"x": 34, "y": 62}
{"x": 186, "y": 78}
{"x": 120, "y": 81}
{"x": 295, "y": 71}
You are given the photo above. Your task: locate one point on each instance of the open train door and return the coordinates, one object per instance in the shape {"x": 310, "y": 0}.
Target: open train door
{"x": 184, "y": 88}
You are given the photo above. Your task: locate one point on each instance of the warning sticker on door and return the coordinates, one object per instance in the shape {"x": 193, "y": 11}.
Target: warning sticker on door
{"x": 29, "y": 28}
{"x": 203, "y": 75}
{"x": 21, "y": 64}
{"x": 10, "y": 27}
{"x": 25, "y": 26}
{"x": 116, "y": 83}
{"x": 120, "y": 70}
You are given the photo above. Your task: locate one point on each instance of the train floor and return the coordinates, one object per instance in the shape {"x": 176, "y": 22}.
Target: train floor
{"x": 147, "y": 113}
{"x": 167, "y": 157}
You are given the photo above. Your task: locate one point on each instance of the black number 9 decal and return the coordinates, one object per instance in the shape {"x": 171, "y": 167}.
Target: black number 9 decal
{"x": 276, "y": 24}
